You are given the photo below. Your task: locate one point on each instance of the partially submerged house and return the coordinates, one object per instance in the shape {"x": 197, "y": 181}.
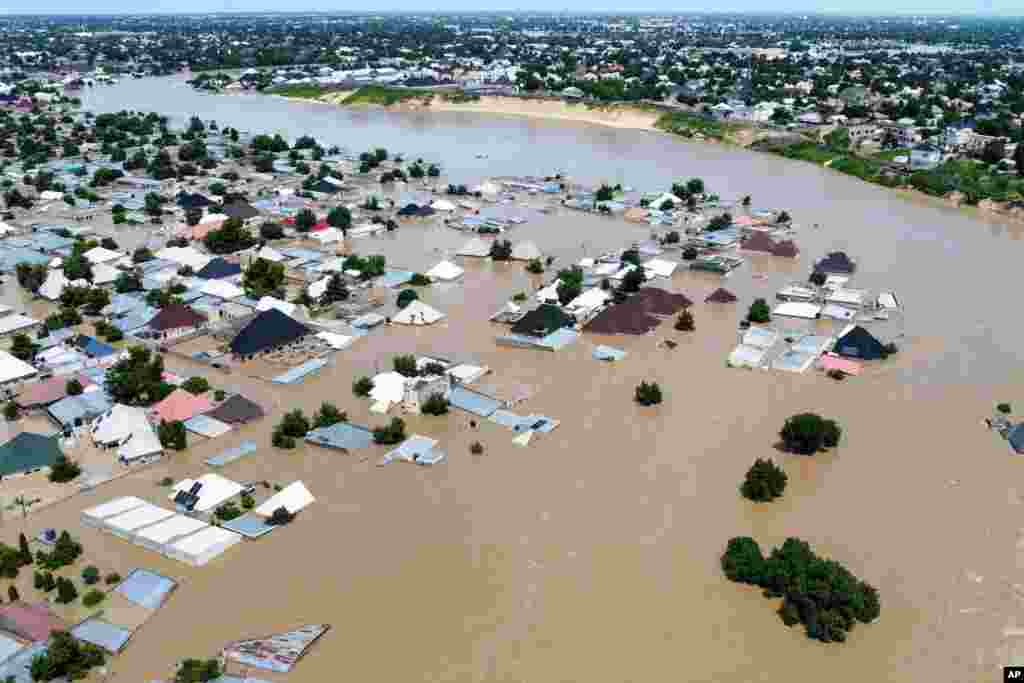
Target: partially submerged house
{"x": 542, "y": 321}
{"x": 836, "y": 262}
{"x": 28, "y": 452}
{"x": 269, "y": 330}
{"x": 176, "y": 320}
{"x": 857, "y": 342}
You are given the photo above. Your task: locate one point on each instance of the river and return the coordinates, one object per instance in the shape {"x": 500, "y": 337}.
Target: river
{"x": 592, "y": 554}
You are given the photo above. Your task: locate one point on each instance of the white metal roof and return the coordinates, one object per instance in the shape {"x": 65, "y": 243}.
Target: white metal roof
{"x": 215, "y": 490}
{"x": 417, "y": 313}
{"x": 797, "y": 309}
{"x": 445, "y": 270}
{"x": 119, "y": 423}
{"x": 142, "y": 442}
{"x": 113, "y": 507}
{"x": 12, "y": 368}
{"x": 200, "y": 542}
{"x": 293, "y": 498}
{"x": 102, "y": 255}
{"x": 144, "y": 515}
{"x": 171, "y": 528}
{"x": 661, "y": 267}
{"x": 268, "y": 302}
{"x": 15, "y": 322}
{"x": 222, "y": 289}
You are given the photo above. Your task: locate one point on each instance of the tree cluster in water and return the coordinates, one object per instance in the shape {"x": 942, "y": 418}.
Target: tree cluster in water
{"x": 820, "y": 593}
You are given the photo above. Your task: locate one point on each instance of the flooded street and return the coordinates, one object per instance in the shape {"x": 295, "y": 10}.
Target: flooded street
{"x": 592, "y": 554}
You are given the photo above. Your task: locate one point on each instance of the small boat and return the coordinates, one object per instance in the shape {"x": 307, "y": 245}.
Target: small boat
{"x": 481, "y": 155}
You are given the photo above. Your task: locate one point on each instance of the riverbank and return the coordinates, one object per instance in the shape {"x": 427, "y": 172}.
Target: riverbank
{"x": 615, "y": 116}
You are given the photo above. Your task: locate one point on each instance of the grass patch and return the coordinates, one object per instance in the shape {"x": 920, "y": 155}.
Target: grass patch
{"x": 688, "y": 125}
{"x": 306, "y": 91}
{"x": 385, "y": 97}
{"x": 891, "y": 154}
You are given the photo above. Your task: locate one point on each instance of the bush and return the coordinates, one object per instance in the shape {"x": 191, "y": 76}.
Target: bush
{"x": 406, "y": 297}
{"x": 74, "y": 387}
{"x": 759, "y": 312}
{"x": 227, "y": 512}
{"x": 112, "y": 578}
{"x": 11, "y": 411}
{"x": 501, "y": 250}
{"x": 294, "y": 424}
{"x": 64, "y": 470}
{"x": 196, "y": 385}
{"x": 648, "y": 394}
{"x": 197, "y": 671}
{"x": 66, "y": 659}
{"x": 64, "y": 552}
{"x": 12, "y": 593}
{"x": 219, "y": 395}
{"x": 632, "y": 281}
{"x": 393, "y": 433}
{"x": 280, "y": 517}
{"x": 1004, "y": 408}
{"x": 765, "y": 481}
{"x": 685, "y": 322}
{"x": 817, "y": 278}
{"x": 535, "y": 266}
{"x": 93, "y": 598}
{"x": 328, "y": 415}
{"x": 690, "y": 254}
{"x": 90, "y": 575}
{"x": 820, "y": 593}
{"x": 166, "y": 481}
{"x": 66, "y": 591}
{"x": 281, "y": 440}
{"x": 808, "y": 433}
{"x": 436, "y": 404}
{"x": 476, "y": 448}
{"x": 248, "y": 502}
{"x": 172, "y": 435}
{"x": 405, "y": 365}
{"x": 362, "y": 387}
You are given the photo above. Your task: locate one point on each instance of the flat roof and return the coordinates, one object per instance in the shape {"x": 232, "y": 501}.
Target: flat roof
{"x": 171, "y": 528}
{"x": 98, "y": 632}
{"x": 114, "y": 507}
{"x": 201, "y": 541}
{"x": 139, "y": 517}
{"x": 146, "y": 588}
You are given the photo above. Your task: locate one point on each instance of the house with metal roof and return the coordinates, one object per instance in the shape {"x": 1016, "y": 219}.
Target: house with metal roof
{"x": 28, "y": 452}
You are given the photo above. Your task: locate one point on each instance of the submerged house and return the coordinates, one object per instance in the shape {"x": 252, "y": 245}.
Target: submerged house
{"x": 542, "y": 321}
{"x": 270, "y": 329}
{"x": 837, "y": 263}
{"x": 856, "y": 342}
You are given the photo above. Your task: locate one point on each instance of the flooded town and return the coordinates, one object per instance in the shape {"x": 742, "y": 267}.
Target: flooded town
{"x": 289, "y": 387}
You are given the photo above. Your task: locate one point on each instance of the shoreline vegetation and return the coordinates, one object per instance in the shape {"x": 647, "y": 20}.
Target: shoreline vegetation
{"x": 956, "y": 183}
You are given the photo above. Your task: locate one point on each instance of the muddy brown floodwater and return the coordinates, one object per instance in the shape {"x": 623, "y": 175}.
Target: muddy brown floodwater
{"x": 593, "y": 553}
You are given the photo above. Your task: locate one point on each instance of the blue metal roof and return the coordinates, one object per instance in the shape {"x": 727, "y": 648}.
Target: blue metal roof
{"x": 473, "y": 402}
{"x": 85, "y": 407}
{"x": 97, "y": 349}
{"x": 243, "y": 449}
{"x": 341, "y": 435}
{"x": 98, "y": 632}
{"x": 250, "y": 525}
{"x": 146, "y": 588}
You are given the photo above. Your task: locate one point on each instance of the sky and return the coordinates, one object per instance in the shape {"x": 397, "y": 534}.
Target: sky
{"x": 860, "y": 7}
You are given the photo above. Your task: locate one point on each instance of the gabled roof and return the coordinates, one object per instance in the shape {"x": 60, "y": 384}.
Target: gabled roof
{"x": 235, "y": 410}
{"x": 192, "y": 201}
{"x": 268, "y": 330}
{"x": 219, "y": 268}
{"x": 48, "y": 391}
{"x": 836, "y": 262}
{"x": 28, "y": 451}
{"x": 32, "y": 622}
{"x": 12, "y": 368}
{"x": 181, "y": 405}
{"x": 175, "y": 316}
{"x": 628, "y": 318}
{"x": 661, "y": 302}
{"x": 242, "y": 210}
{"x": 542, "y": 321}
{"x": 856, "y": 342}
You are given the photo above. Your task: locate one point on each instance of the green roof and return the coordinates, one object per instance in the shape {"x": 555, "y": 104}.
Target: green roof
{"x": 26, "y": 452}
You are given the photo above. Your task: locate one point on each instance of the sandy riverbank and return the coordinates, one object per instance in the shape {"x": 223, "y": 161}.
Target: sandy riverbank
{"x": 618, "y": 116}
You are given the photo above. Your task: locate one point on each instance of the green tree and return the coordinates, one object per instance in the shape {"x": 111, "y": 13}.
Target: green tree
{"x": 137, "y": 379}
{"x": 294, "y": 424}
{"x": 66, "y": 658}
{"x": 765, "y": 481}
{"x": 263, "y": 278}
{"x": 23, "y": 348}
{"x": 648, "y": 394}
{"x": 154, "y": 204}
{"x": 328, "y": 415}
{"x": 93, "y": 598}
{"x": 232, "y": 236}
{"x": 340, "y": 217}
{"x": 808, "y": 433}
{"x": 64, "y": 470}
{"x": 362, "y": 387}
{"x": 172, "y": 434}
{"x": 405, "y": 365}
{"x": 11, "y": 411}
{"x": 66, "y": 591}
{"x": 196, "y": 385}
{"x": 305, "y": 220}
{"x": 436, "y": 404}
{"x": 406, "y": 297}
{"x": 759, "y": 312}
{"x": 392, "y": 433}
{"x": 501, "y": 250}
{"x": 90, "y": 575}
{"x": 335, "y": 291}
{"x": 74, "y": 387}
{"x": 198, "y": 671}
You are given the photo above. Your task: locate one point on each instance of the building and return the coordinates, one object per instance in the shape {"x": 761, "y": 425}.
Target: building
{"x": 924, "y": 157}
{"x": 28, "y": 453}
{"x": 269, "y": 330}
{"x": 176, "y": 320}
